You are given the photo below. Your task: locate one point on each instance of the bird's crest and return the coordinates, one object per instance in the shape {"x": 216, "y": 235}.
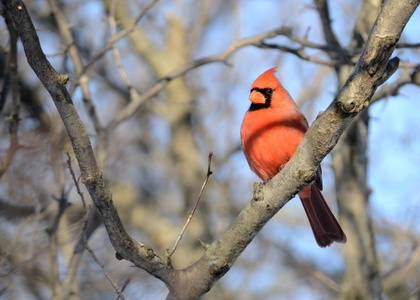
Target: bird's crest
{"x": 267, "y": 80}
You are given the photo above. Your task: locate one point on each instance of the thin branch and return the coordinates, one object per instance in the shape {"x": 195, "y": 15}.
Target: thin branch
{"x": 99, "y": 262}
{"x": 13, "y": 77}
{"x": 111, "y": 44}
{"x": 408, "y": 45}
{"x": 132, "y": 91}
{"x": 70, "y": 45}
{"x": 127, "y": 282}
{"x": 325, "y": 47}
{"x": 299, "y": 52}
{"x": 76, "y": 182}
{"x": 322, "y": 7}
{"x": 117, "y": 56}
{"x": 392, "y": 89}
{"x": 329, "y": 35}
{"x": 209, "y": 172}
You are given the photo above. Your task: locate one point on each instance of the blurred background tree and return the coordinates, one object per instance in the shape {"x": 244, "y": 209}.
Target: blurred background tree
{"x": 152, "y": 131}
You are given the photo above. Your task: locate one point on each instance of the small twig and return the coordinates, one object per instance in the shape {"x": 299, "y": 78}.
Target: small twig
{"x": 209, "y": 172}
{"x": 299, "y": 52}
{"x": 98, "y": 261}
{"x": 407, "y": 45}
{"x": 116, "y": 52}
{"x": 76, "y": 181}
{"x": 124, "y": 286}
{"x": 117, "y": 56}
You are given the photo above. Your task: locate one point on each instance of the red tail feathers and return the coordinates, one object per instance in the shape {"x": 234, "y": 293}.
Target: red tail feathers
{"x": 323, "y": 223}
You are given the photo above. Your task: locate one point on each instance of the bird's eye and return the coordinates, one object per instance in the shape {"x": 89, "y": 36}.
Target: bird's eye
{"x": 269, "y": 91}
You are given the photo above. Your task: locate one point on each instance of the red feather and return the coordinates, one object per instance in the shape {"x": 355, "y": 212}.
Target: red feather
{"x": 272, "y": 129}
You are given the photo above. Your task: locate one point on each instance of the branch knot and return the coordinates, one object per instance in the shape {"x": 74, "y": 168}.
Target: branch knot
{"x": 307, "y": 176}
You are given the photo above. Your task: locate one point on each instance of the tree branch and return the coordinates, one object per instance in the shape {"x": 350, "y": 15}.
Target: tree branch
{"x": 324, "y": 14}
{"x": 12, "y": 79}
{"x": 139, "y": 253}
{"x": 169, "y": 253}
{"x": 392, "y": 89}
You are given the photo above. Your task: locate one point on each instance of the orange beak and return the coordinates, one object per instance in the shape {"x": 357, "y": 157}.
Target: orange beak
{"x": 256, "y": 97}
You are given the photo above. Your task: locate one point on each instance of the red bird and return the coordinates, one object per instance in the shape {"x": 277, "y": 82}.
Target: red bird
{"x": 272, "y": 129}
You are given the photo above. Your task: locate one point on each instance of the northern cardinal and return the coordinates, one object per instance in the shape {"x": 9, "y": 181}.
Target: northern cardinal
{"x": 272, "y": 129}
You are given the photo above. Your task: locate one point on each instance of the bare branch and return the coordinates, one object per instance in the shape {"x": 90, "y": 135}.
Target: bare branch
{"x": 13, "y": 77}
{"x": 324, "y": 14}
{"x": 209, "y": 172}
{"x": 127, "y": 282}
{"x": 299, "y": 52}
{"x": 70, "y": 45}
{"x": 113, "y": 29}
{"x": 406, "y": 77}
{"x": 408, "y": 45}
{"x": 76, "y": 181}
{"x": 98, "y": 261}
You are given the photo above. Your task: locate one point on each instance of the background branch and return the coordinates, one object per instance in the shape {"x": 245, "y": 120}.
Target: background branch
{"x": 13, "y": 77}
